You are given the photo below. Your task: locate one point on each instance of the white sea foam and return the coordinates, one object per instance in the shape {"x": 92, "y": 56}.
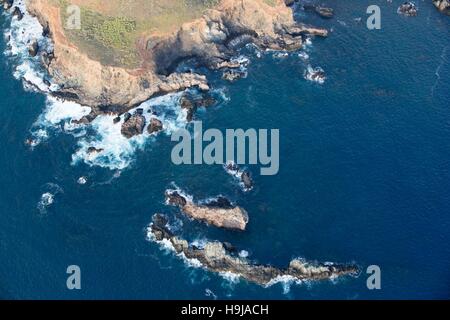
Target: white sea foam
{"x": 243, "y": 254}
{"x": 181, "y": 192}
{"x": 230, "y": 277}
{"x": 315, "y": 74}
{"x": 286, "y": 281}
{"x": 210, "y": 293}
{"x": 303, "y": 55}
{"x": 233, "y": 170}
{"x": 82, "y": 180}
{"x": 48, "y": 197}
{"x": 280, "y": 55}
{"x": 58, "y": 116}
{"x": 118, "y": 152}
{"x": 20, "y": 35}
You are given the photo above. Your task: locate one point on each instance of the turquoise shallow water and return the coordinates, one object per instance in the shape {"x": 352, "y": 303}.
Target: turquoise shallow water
{"x": 364, "y": 177}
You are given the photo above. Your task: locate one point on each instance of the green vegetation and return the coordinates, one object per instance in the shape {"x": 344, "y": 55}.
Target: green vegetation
{"x": 111, "y": 29}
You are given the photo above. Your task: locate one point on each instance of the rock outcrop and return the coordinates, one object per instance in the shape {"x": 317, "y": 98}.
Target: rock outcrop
{"x": 154, "y": 126}
{"x": 220, "y": 258}
{"x": 133, "y": 126}
{"x": 408, "y": 9}
{"x": 220, "y": 212}
{"x": 191, "y": 103}
{"x": 243, "y": 176}
{"x": 211, "y": 40}
{"x": 443, "y": 6}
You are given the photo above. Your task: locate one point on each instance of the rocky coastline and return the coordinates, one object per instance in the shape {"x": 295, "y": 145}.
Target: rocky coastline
{"x": 211, "y": 41}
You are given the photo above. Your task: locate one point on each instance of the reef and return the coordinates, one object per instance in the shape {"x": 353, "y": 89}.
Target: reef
{"x": 221, "y": 258}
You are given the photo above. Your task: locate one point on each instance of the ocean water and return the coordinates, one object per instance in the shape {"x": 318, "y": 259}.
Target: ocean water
{"x": 364, "y": 174}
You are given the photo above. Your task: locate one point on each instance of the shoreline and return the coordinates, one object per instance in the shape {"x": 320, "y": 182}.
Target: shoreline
{"x": 212, "y": 41}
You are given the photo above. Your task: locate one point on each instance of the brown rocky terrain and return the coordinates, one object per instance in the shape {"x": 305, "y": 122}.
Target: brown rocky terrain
{"x": 443, "y": 6}
{"x": 211, "y": 39}
{"x": 218, "y": 257}
{"x": 220, "y": 213}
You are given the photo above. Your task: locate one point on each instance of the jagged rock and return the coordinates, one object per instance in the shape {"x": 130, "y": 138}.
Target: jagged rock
{"x": 86, "y": 119}
{"x": 117, "y": 120}
{"x": 219, "y": 213}
{"x": 408, "y": 9}
{"x": 220, "y": 202}
{"x": 126, "y": 116}
{"x": 154, "y": 126}
{"x": 17, "y": 13}
{"x": 231, "y": 75}
{"x": 33, "y": 48}
{"x": 443, "y": 6}
{"x": 191, "y": 103}
{"x": 133, "y": 126}
{"x": 175, "y": 199}
{"x": 94, "y": 150}
{"x": 218, "y": 257}
{"x": 247, "y": 180}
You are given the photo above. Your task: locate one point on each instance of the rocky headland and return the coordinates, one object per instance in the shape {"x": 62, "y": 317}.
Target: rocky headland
{"x": 211, "y": 40}
{"x": 221, "y": 257}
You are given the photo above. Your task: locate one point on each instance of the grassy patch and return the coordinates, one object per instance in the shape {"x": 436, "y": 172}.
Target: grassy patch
{"x": 110, "y": 29}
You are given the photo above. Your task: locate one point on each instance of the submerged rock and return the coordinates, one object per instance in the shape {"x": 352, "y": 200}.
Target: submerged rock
{"x": 315, "y": 74}
{"x": 247, "y": 180}
{"x": 232, "y": 75}
{"x": 323, "y": 12}
{"x": 243, "y": 176}
{"x": 408, "y": 9}
{"x": 220, "y": 258}
{"x": 220, "y": 212}
{"x": 327, "y": 13}
{"x": 94, "y": 150}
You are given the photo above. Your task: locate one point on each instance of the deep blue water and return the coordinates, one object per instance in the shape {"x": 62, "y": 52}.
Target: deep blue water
{"x": 364, "y": 177}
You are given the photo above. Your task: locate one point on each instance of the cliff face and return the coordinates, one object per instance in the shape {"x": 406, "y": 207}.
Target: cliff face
{"x": 211, "y": 40}
{"x": 91, "y": 83}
